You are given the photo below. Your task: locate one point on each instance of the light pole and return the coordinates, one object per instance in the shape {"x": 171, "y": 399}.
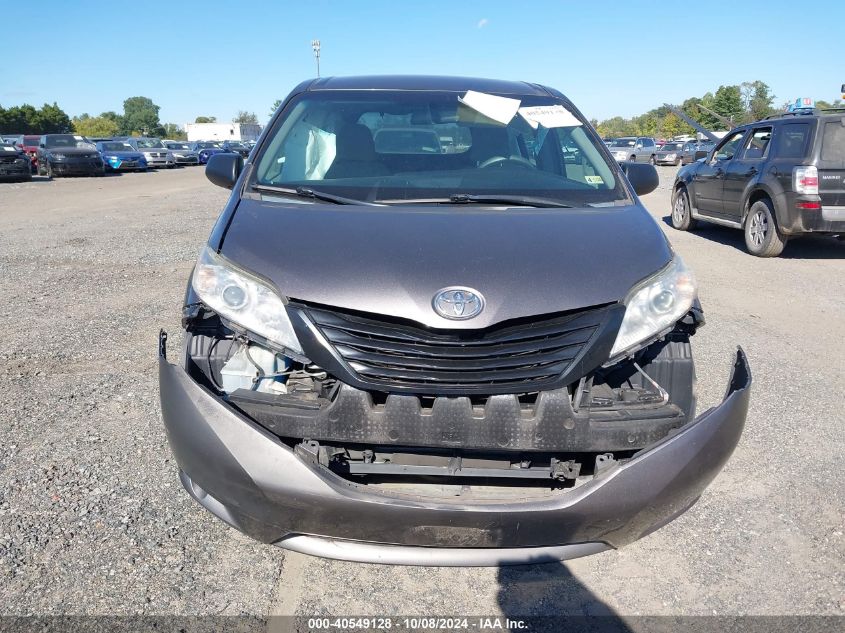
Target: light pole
{"x": 315, "y": 46}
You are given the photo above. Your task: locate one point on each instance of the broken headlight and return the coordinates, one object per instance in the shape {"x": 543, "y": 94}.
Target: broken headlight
{"x": 243, "y": 300}
{"x": 655, "y": 305}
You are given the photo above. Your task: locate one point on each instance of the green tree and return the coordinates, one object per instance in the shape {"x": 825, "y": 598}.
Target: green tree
{"x": 115, "y": 117}
{"x": 673, "y": 125}
{"x": 275, "y": 107}
{"x": 173, "y": 131}
{"x": 246, "y": 117}
{"x": 728, "y": 102}
{"x": 26, "y": 119}
{"x": 760, "y": 103}
{"x": 206, "y": 119}
{"x": 140, "y": 114}
{"x": 95, "y": 126}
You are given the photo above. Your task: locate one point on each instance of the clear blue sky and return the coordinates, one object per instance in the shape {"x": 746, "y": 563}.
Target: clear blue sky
{"x": 215, "y": 58}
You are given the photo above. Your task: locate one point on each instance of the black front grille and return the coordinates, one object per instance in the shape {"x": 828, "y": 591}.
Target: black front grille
{"x": 520, "y": 356}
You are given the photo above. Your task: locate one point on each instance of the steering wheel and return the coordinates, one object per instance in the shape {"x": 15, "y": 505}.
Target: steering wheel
{"x": 499, "y": 160}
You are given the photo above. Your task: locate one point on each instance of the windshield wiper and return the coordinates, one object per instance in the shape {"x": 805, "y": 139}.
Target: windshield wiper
{"x": 523, "y": 201}
{"x": 306, "y": 192}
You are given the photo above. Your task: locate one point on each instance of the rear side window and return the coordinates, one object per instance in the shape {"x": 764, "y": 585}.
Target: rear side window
{"x": 792, "y": 140}
{"x": 833, "y": 141}
{"x": 757, "y": 146}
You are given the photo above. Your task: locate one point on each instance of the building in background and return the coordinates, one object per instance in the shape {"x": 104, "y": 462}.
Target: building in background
{"x": 222, "y": 131}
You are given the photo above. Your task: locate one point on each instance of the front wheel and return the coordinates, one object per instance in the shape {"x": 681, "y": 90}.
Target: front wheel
{"x": 762, "y": 236}
{"x": 651, "y": 161}
{"x": 633, "y": 158}
{"x": 679, "y": 162}
{"x": 681, "y": 212}
{"x": 48, "y": 170}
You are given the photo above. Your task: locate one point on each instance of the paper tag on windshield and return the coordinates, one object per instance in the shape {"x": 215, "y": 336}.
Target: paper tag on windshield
{"x": 500, "y": 109}
{"x": 78, "y": 138}
{"x": 548, "y": 116}
{"x": 9, "y": 149}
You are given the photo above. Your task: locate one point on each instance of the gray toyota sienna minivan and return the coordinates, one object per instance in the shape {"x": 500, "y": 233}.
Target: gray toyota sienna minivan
{"x": 434, "y": 325}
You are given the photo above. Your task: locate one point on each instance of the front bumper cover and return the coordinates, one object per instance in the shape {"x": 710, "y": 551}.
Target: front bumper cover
{"x": 247, "y": 477}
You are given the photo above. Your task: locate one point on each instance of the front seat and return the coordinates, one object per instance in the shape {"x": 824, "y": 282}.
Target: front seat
{"x": 355, "y": 154}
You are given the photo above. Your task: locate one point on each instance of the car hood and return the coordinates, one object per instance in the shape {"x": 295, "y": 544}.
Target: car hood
{"x": 71, "y": 151}
{"x": 393, "y": 260}
{"x": 127, "y": 155}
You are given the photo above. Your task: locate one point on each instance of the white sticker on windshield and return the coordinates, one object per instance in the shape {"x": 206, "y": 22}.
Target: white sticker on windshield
{"x": 78, "y": 138}
{"x": 548, "y": 116}
{"x": 499, "y": 109}
{"x": 9, "y": 149}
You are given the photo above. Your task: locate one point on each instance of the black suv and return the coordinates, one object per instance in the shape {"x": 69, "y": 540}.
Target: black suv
{"x": 775, "y": 179}
{"x": 399, "y": 354}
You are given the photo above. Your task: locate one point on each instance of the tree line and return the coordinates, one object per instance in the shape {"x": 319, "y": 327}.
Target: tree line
{"x": 140, "y": 117}
{"x": 738, "y": 104}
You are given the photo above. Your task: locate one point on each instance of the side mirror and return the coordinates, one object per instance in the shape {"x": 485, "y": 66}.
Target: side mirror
{"x": 642, "y": 176}
{"x": 223, "y": 169}
{"x": 700, "y": 153}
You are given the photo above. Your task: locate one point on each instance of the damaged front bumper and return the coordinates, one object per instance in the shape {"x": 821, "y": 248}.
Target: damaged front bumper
{"x": 249, "y": 478}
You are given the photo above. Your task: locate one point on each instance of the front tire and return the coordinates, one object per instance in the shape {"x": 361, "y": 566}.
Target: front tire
{"x": 762, "y": 236}
{"x": 633, "y": 158}
{"x": 48, "y": 170}
{"x": 679, "y": 162}
{"x": 682, "y": 212}
{"x": 651, "y": 161}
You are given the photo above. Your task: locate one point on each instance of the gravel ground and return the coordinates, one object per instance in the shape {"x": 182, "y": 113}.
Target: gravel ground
{"x": 93, "y": 519}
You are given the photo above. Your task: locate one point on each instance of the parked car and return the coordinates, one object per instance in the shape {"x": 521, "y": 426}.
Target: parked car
{"x": 205, "y": 150}
{"x": 182, "y": 152}
{"x": 692, "y": 151}
{"x": 154, "y": 151}
{"x": 29, "y": 144}
{"x": 14, "y": 163}
{"x": 414, "y": 357}
{"x": 68, "y": 155}
{"x": 235, "y": 146}
{"x": 775, "y": 179}
{"x": 669, "y": 154}
{"x": 121, "y": 156}
{"x": 633, "y": 148}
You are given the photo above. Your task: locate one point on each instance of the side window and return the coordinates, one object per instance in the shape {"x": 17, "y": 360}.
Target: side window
{"x": 757, "y": 146}
{"x": 728, "y": 148}
{"x": 791, "y": 140}
{"x": 647, "y": 142}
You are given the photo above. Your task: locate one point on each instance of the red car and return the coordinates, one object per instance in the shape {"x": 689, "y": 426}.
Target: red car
{"x": 29, "y": 144}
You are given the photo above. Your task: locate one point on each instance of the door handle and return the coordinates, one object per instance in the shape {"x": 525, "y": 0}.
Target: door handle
{"x": 751, "y": 172}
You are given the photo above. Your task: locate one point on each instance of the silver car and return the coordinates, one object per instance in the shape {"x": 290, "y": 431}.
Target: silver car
{"x": 154, "y": 151}
{"x": 670, "y": 154}
{"x": 182, "y": 153}
{"x": 634, "y": 148}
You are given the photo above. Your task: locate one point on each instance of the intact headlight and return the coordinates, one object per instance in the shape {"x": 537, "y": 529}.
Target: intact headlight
{"x": 654, "y": 306}
{"x": 242, "y": 299}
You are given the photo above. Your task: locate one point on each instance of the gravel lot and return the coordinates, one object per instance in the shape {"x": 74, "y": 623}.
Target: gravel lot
{"x": 93, "y": 519}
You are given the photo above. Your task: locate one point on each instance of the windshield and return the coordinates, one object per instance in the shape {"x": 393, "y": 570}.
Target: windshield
{"x": 672, "y": 147}
{"x": 236, "y": 145}
{"x": 66, "y": 140}
{"x": 428, "y": 145}
{"x": 31, "y": 141}
{"x": 206, "y": 145}
{"x": 117, "y": 147}
{"x": 153, "y": 143}
{"x": 624, "y": 142}
{"x": 178, "y": 146}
